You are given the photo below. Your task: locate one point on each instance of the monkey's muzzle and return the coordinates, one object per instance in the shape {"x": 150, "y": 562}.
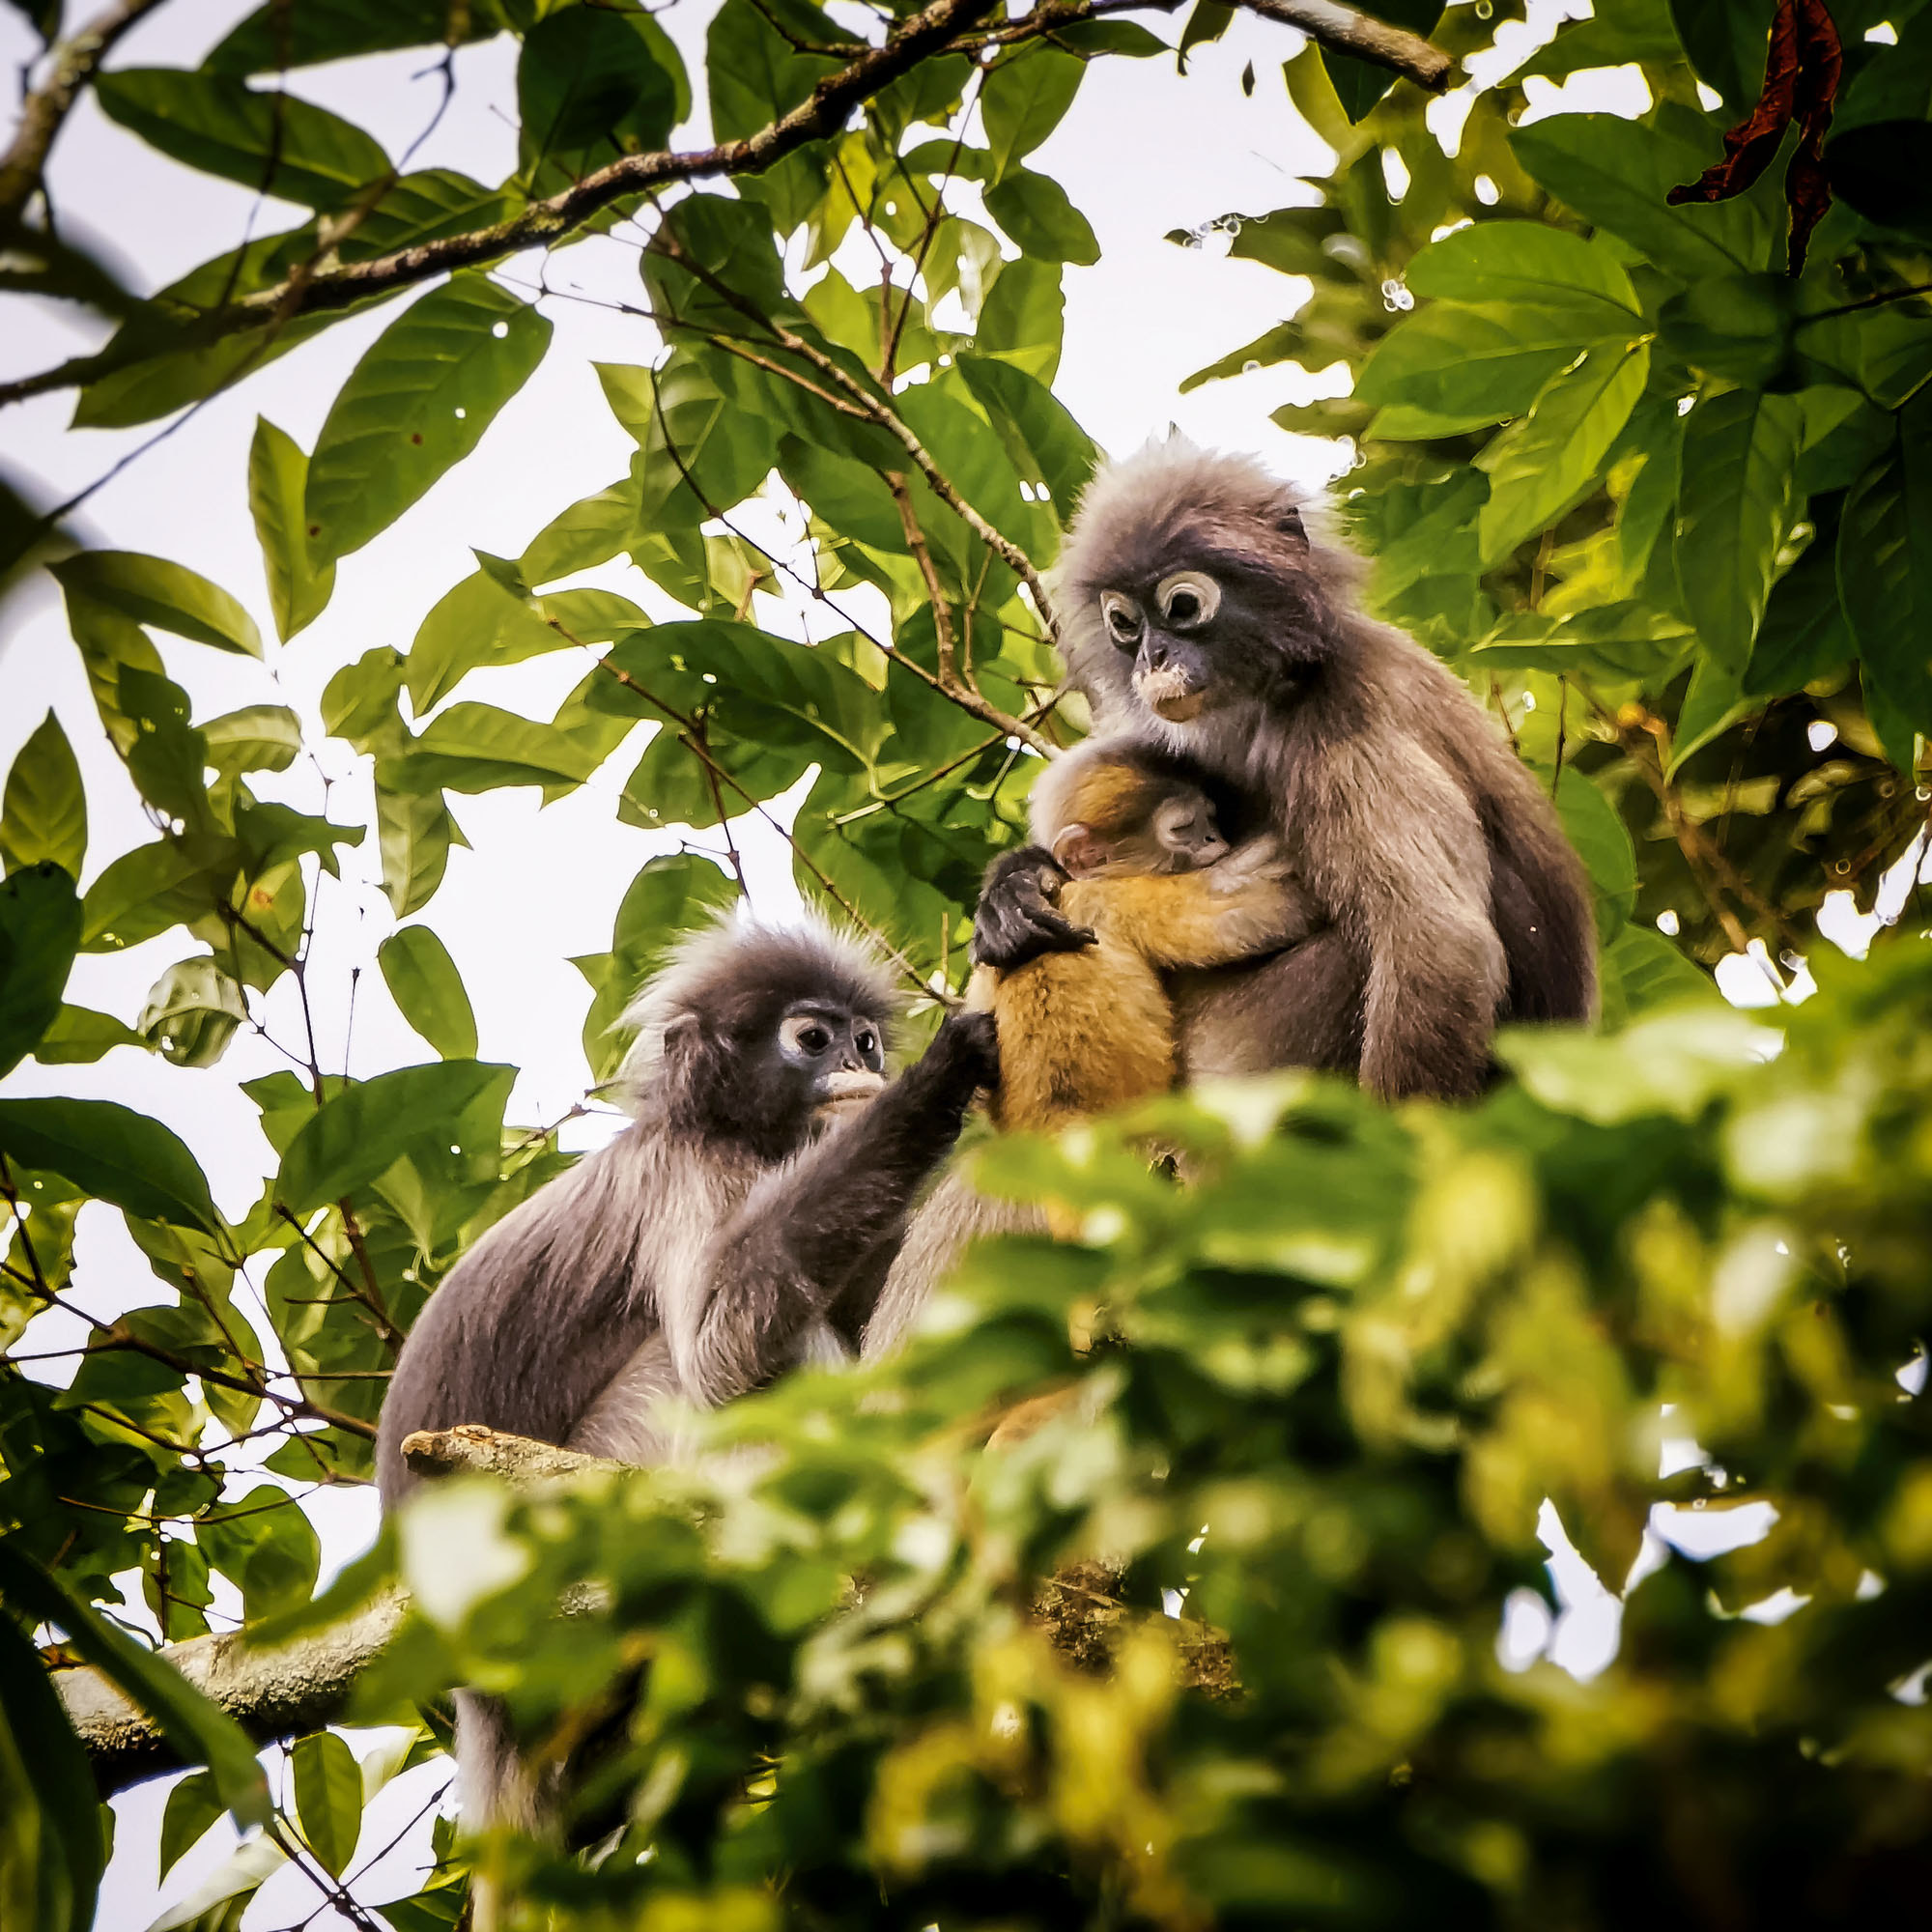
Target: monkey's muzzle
{"x": 1170, "y": 694}
{"x": 848, "y": 1094}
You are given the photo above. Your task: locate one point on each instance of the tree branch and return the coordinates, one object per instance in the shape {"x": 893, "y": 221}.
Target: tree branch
{"x": 280, "y": 1691}
{"x": 74, "y": 61}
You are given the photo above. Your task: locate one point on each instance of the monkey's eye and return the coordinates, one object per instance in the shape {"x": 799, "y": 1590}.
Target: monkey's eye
{"x": 866, "y": 1042}
{"x": 1122, "y": 617}
{"x": 802, "y": 1034}
{"x": 1187, "y": 599}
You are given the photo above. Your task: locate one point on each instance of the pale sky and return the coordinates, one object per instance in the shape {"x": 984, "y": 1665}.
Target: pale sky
{"x": 1141, "y": 153}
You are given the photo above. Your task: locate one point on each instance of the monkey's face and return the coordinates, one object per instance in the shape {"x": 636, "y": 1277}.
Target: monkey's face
{"x": 1168, "y": 628}
{"x": 1185, "y": 829}
{"x": 829, "y": 1059}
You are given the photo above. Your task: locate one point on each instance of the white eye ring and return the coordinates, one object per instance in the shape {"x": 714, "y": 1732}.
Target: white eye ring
{"x": 792, "y": 1033}
{"x": 1205, "y": 591}
{"x": 1122, "y": 617}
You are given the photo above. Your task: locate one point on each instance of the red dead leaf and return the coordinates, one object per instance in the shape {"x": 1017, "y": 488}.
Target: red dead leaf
{"x": 1801, "y": 83}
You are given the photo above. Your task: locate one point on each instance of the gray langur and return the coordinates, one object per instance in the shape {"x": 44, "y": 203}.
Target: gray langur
{"x": 741, "y": 1225}
{"x": 1200, "y": 616}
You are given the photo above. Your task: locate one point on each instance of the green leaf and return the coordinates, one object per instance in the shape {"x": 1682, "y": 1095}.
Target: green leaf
{"x": 52, "y": 1851}
{"x": 193, "y": 1806}
{"x": 1023, "y": 318}
{"x": 1804, "y": 634}
{"x": 477, "y": 747}
{"x": 193, "y": 1011}
{"x": 45, "y": 813}
{"x": 1640, "y": 30}
{"x": 1715, "y": 702}
{"x": 591, "y": 531}
{"x": 1045, "y": 443}
{"x": 270, "y": 143}
{"x": 1530, "y": 261}
{"x": 477, "y": 622}
{"x": 1736, "y": 327}
{"x": 278, "y": 479}
{"x": 1034, "y": 211}
{"x": 329, "y": 1798}
{"x": 1603, "y": 845}
{"x": 1885, "y": 567}
{"x": 360, "y": 1134}
{"x": 418, "y": 402}
{"x": 1358, "y": 83}
{"x": 1725, "y": 41}
{"x": 428, "y": 990}
{"x": 154, "y": 887}
{"x": 79, "y": 1036}
{"x": 1642, "y": 971}
{"x": 672, "y": 896}
{"x": 1616, "y": 173}
{"x": 592, "y": 85}
{"x": 40, "y": 933}
{"x": 414, "y": 833}
{"x": 1734, "y": 512}
{"x": 276, "y": 35}
{"x": 1538, "y": 467}
{"x": 1024, "y": 100}
{"x": 197, "y": 1727}
{"x": 113, "y": 1153}
{"x": 216, "y": 1904}
{"x": 171, "y": 597}
{"x": 1447, "y": 369}
{"x": 257, "y": 738}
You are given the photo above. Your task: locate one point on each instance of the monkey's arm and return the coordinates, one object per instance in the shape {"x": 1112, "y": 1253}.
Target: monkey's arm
{"x": 1016, "y": 920}
{"x": 1192, "y": 918}
{"x": 802, "y": 1233}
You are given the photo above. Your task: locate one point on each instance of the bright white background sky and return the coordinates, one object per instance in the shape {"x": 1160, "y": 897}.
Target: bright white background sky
{"x": 1141, "y": 153}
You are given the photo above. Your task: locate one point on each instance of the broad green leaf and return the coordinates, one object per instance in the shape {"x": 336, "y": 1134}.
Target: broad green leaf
{"x": 1605, "y": 847}
{"x": 1463, "y": 368}
{"x": 1358, "y": 83}
{"x": 169, "y": 757}
{"x": 1672, "y": 1063}
{"x": 154, "y": 887}
{"x": 700, "y": 455}
{"x": 45, "y": 813}
{"x": 1715, "y": 702}
{"x": 51, "y": 1845}
{"x": 216, "y": 1904}
{"x": 39, "y": 932}
{"x": 278, "y": 479}
{"x": 193, "y": 1807}
{"x": 477, "y": 747}
{"x": 196, "y": 1727}
{"x": 672, "y": 896}
{"x": 114, "y": 1153}
{"x": 1022, "y": 319}
{"x": 591, "y": 531}
{"x": 428, "y": 990}
{"x": 272, "y": 144}
{"x": 1542, "y": 464}
{"x": 428, "y": 206}
{"x": 193, "y": 1011}
{"x": 478, "y": 622}
{"x": 418, "y": 401}
{"x": 1739, "y": 327}
{"x": 1804, "y": 634}
{"x": 1640, "y": 30}
{"x": 329, "y": 1798}
{"x": 275, "y": 37}
{"x": 1529, "y": 262}
{"x": 264, "y": 1542}
{"x": 1034, "y": 211}
{"x": 1616, "y": 173}
{"x": 358, "y": 1134}
{"x": 1734, "y": 512}
{"x": 1725, "y": 41}
{"x": 257, "y": 738}
{"x": 592, "y": 85}
{"x": 1025, "y": 97}
{"x": 1643, "y": 971}
{"x": 171, "y": 597}
{"x": 79, "y": 1036}
{"x": 414, "y": 833}
{"x": 1045, "y": 443}
{"x": 1885, "y": 567}
{"x": 358, "y": 703}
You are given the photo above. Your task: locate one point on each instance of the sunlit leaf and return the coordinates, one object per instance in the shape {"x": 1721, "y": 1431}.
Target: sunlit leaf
{"x": 329, "y": 1798}
{"x": 278, "y": 479}
{"x": 40, "y": 931}
{"x": 44, "y": 813}
{"x": 423, "y": 981}
{"x": 152, "y": 590}
{"x": 113, "y": 1152}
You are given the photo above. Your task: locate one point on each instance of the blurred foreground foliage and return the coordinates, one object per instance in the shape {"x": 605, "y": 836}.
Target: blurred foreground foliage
{"x": 1660, "y": 500}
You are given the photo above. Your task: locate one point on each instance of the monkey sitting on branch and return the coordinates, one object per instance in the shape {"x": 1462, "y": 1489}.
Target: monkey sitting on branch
{"x": 1149, "y": 872}
{"x": 742, "y": 1225}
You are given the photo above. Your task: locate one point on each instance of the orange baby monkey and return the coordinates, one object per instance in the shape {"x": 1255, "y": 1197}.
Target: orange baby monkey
{"x": 1151, "y": 872}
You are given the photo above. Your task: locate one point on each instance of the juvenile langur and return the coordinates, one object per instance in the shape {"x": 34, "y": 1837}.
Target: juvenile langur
{"x": 1149, "y": 872}
{"x": 742, "y": 1224}
{"x": 1200, "y": 618}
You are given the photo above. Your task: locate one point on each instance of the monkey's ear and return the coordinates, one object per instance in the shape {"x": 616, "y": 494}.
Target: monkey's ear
{"x": 1287, "y": 521}
{"x": 680, "y": 1036}
{"x": 1079, "y": 849}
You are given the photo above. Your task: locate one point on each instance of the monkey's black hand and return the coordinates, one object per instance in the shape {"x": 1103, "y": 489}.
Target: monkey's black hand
{"x": 967, "y": 1046}
{"x": 1016, "y": 921}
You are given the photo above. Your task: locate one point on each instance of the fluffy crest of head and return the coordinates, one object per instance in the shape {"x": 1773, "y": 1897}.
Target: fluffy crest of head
{"x": 738, "y": 973}
{"x": 1174, "y": 505}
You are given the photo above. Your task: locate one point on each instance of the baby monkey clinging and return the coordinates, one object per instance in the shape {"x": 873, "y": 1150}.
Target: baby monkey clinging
{"x": 1153, "y": 874}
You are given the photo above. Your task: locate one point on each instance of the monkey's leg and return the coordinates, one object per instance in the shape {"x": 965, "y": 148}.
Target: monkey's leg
{"x": 627, "y": 1422}
{"x": 1302, "y": 1008}
{"x": 795, "y": 1244}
